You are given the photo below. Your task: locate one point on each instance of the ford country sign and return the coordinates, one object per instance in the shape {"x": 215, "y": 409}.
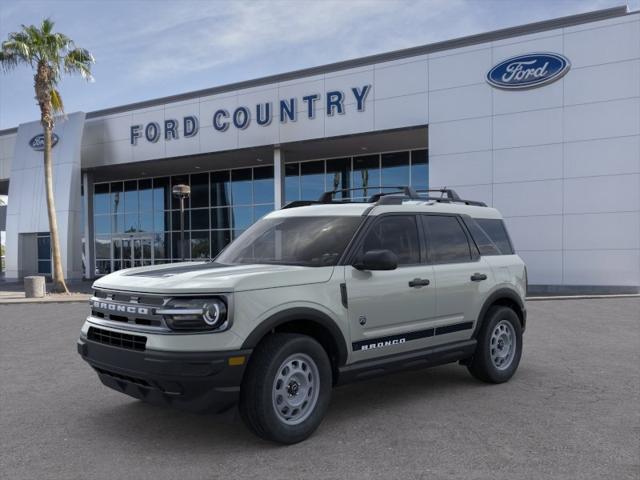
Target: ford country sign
{"x": 528, "y": 71}
{"x": 37, "y": 142}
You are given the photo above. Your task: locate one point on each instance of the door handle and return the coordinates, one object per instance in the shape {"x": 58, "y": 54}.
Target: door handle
{"x": 478, "y": 277}
{"x": 419, "y": 282}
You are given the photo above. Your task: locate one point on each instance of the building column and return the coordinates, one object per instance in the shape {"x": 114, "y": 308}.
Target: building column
{"x": 87, "y": 211}
{"x": 278, "y": 177}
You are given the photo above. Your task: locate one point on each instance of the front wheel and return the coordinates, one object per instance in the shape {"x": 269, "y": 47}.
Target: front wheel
{"x": 287, "y": 387}
{"x": 499, "y": 346}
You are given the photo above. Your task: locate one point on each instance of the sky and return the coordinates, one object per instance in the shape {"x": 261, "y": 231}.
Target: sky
{"x": 146, "y": 49}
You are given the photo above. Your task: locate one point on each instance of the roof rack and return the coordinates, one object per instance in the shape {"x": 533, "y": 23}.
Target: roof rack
{"x": 396, "y": 196}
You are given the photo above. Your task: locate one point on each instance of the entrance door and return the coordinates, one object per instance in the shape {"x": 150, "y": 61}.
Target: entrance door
{"x": 132, "y": 252}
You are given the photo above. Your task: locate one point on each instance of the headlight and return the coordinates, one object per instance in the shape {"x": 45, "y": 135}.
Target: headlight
{"x": 195, "y": 314}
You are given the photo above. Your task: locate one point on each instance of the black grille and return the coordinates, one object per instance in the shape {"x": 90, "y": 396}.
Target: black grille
{"x": 117, "y": 339}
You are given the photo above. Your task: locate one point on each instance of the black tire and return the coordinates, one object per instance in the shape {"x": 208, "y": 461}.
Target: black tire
{"x": 257, "y": 407}
{"x": 482, "y": 366}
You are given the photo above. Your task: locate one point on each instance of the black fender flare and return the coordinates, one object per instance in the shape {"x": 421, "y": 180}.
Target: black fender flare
{"x": 297, "y": 314}
{"x": 501, "y": 293}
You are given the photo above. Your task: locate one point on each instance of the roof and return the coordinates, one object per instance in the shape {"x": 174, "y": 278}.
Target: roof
{"x": 408, "y": 206}
{"x": 371, "y": 59}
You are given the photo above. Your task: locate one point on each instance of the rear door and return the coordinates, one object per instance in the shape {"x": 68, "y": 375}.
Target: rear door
{"x": 389, "y": 311}
{"x": 461, "y": 276}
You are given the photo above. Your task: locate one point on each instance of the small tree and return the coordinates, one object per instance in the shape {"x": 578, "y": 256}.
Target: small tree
{"x": 50, "y": 55}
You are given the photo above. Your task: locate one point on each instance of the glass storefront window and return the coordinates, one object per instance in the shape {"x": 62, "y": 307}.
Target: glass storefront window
{"x": 220, "y": 218}
{"x": 241, "y": 191}
{"x": 199, "y": 245}
{"x": 395, "y": 169}
{"x": 161, "y": 194}
{"x": 200, "y": 190}
{"x": 263, "y": 185}
{"x": 200, "y": 219}
{"x": 366, "y": 175}
{"x": 220, "y": 189}
{"x": 101, "y": 199}
{"x": 338, "y": 176}
{"x": 420, "y": 169}
{"x": 292, "y": 182}
{"x": 224, "y": 204}
{"x": 312, "y": 180}
{"x": 242, "y": 217}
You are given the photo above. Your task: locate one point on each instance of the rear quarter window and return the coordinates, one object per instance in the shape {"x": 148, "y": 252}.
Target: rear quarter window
{"x": 490, "y": 235}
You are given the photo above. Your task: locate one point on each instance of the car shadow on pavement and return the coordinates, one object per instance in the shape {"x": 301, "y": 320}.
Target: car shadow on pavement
{"x": 143, "y": 423}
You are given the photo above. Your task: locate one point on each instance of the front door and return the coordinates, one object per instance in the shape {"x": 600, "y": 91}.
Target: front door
{"x": 131, "y": 252}
{"x": 389, "y": 311}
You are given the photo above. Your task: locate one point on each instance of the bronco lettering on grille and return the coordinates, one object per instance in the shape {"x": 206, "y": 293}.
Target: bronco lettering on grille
{"x": 120, "y": 308}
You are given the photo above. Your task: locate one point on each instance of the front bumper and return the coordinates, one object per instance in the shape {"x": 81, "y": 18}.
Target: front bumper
{"x": 194, "y": 381}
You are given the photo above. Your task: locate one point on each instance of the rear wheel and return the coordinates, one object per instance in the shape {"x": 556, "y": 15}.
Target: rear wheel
{"x": 499, "y": 346}
{"x": 287, "y": 387}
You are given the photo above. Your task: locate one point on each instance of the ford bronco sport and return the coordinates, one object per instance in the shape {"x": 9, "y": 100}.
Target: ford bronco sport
{"x": 314, "y": 295}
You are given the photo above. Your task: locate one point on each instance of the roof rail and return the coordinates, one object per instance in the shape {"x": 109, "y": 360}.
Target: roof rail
{"x": 396, "y": 196}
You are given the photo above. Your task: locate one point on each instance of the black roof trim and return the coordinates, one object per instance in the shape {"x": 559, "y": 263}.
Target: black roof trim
{"x": 503, "y": 33}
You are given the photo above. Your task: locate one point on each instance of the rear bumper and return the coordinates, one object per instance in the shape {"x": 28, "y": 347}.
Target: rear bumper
{"x": 194, "y": 381}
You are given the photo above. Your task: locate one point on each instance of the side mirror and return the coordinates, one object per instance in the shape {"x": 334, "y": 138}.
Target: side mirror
{"x": 377, "y": 260}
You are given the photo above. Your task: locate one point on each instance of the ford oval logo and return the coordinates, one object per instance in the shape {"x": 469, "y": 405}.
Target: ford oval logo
{"x": 37, "y": 142}
{"x": 528, "y": 71}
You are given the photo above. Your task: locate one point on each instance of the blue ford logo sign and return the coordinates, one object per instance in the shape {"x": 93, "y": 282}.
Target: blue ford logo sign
{"x": 528, "y": 71}
{"x": 37, "y": 142}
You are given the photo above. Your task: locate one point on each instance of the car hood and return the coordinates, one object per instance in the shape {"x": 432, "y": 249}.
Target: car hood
{"x": 210, "y": 277}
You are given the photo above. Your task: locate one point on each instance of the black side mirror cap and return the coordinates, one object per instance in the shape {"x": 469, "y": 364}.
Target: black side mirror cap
{"x": 377, "y": 260}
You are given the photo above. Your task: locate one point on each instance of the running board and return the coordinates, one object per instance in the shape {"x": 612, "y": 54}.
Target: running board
{"x": 427, "y": 357}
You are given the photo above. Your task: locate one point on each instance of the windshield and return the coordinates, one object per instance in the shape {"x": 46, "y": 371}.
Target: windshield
{"x": 307, "y": 241}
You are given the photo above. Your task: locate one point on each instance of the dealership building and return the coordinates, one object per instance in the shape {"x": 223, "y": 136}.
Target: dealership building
{"x": 541, "y": 121}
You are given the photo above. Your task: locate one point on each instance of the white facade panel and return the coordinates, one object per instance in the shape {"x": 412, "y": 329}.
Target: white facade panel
{"x": 470, "y": 168}
{"x": 528, "y": 128}
{"x": 550, "y": 41}
{"x": 611, "y": 193}
{"x": 505, "y": 101}
{"x": 543, "y": 267}
{"x": 460, "y": 136}
{"x": 398, "y": 112}
{"x": 602, "y": 82}
{"x": 528, "y": 198}
{"x": 609, "y": 156}
{"x": 543, "y": 232}
{"x": 602, "y": 267}
{"x": 460, "y": 103}
{"x": 596, "y": 46}
{"x": 459, "y": 69}
{"x": 540, "y": 162}
{"x": 349, "y": 123}
{"x": 602, "y": 120}
{"x": 399, "y": 80}
{"x": 602, "y": 231}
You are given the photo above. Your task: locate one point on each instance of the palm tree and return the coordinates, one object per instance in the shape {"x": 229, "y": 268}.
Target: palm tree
{"x": 50, "y": 55}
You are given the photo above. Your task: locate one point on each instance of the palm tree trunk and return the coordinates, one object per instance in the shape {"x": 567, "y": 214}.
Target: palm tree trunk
{"x": 59, "y": 284}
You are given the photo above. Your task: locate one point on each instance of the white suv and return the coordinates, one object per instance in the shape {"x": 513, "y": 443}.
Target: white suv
{"x": 314, "y": 295}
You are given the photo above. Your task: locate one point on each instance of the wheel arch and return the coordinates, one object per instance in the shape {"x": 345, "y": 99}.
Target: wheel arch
{"x": 503, "y": 297}
{"x": 307, "y": 321}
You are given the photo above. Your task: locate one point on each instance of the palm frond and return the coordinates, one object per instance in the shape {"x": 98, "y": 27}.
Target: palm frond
{"x": 56, "y": 101}
{"x": 79, "y": 60}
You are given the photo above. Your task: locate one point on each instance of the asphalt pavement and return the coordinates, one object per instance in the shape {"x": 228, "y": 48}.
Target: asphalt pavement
{"x": 571, "y": 412}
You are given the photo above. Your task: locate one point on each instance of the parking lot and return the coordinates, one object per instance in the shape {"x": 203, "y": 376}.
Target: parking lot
{"x": 571, "y": 411}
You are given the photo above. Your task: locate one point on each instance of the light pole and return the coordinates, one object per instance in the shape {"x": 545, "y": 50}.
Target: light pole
{"x": 182, "y": 192}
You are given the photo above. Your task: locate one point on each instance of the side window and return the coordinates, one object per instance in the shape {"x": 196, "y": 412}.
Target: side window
{"x": 398, "y": 233}
{"x": 447, "y": 241}
{"x": 495, "y": 229}
{"x": 484, "y": 243}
